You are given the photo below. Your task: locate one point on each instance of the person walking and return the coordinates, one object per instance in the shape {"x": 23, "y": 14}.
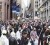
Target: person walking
{"x": 4, "y": 37}
{"x": 34, "y": 37}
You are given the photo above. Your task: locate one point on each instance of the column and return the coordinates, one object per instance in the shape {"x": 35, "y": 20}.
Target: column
{"x": 48, "y": 9}
{"x": 23, "y": 12}
{"x": 3, "y": 12}
{"x": 46, "y": 12}
{"x": 40, "y": 14}
{"x": 34, "y": 8}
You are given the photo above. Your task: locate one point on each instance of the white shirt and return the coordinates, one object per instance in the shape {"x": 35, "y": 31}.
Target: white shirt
{"x": 5, "y": 40}
{"x": 18, "y": 35}
{"x": 29, "y": 43}
{"x": 36, "y": 42}
{"x": 1, "y": 42}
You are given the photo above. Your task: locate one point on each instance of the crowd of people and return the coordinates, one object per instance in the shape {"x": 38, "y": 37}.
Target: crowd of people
{"x": 24, "y": 33}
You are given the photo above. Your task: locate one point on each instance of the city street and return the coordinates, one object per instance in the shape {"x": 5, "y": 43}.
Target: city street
{"x": 24, "y": 22}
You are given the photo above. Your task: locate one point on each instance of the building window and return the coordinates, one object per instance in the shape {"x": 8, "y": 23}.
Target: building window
{"x": 36, "y": 6}
{"x": 7, "y": 10}
{"x": 39, "y": 0}
{"x": 36, "y": 1}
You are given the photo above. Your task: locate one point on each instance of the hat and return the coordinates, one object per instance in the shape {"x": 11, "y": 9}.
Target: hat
{"x": 4, "y": 31}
